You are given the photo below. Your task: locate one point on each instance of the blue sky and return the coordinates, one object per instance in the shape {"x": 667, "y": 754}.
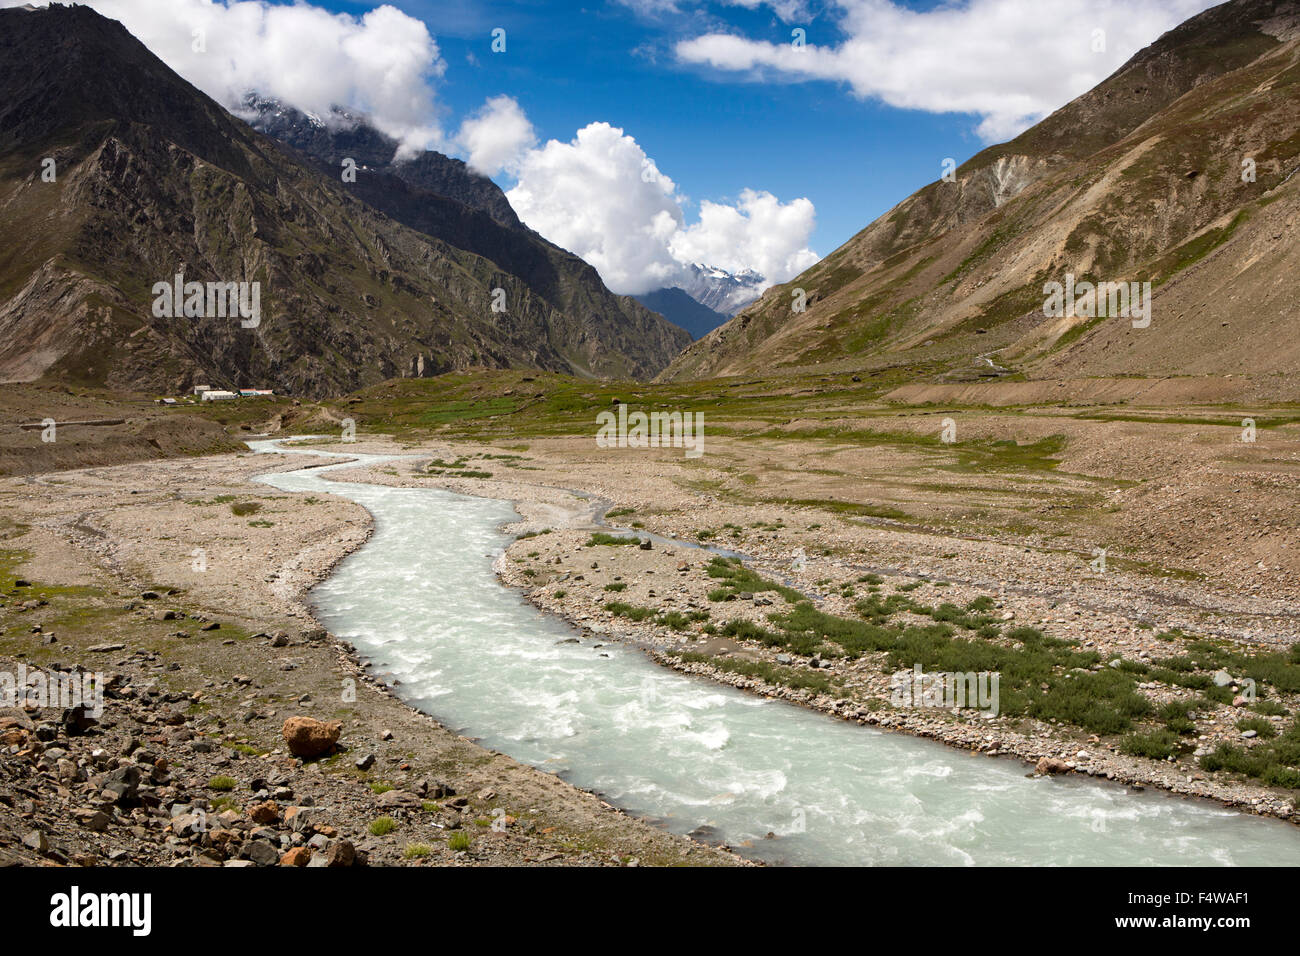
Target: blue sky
{"x": 569, "y": 64}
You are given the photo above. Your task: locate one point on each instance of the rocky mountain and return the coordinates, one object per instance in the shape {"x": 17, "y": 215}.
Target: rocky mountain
{"x": 1176, "y": 170}
{"x": 606, "y": 335}
{"x": 682, "y": 310}
{"x": 720, "y": 290}
{"x": 119, "y": 175}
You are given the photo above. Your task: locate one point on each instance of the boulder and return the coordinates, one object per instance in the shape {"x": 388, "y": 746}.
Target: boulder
{"x": 1051, "y": 765}
{"x": 309, "y": 737}
{"x": 298, "y": 856}
{"x": 268, "y": 812}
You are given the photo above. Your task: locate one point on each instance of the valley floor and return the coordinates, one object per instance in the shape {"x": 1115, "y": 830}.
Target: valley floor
{"x": 1133, "y": 577}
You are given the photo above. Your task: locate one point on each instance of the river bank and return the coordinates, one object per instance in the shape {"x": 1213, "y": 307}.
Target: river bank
{"x": 1125, "y": 618}
{"x": 295, "y": 540}
{"x": 186, "y": 585}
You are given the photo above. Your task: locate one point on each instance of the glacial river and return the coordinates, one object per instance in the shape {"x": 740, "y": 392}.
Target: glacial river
{"x": 421, "y": 601}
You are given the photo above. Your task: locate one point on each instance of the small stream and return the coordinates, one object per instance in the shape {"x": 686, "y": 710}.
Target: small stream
{"x": 421, "y": 601}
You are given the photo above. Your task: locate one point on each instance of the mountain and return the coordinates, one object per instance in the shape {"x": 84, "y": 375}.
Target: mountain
{"x": 154, "y": 178}
{"x": 603, "y": 334}
{"x": 682, "y": 310}
{"x": 347, "y": 134}
{"x": 720, "y": 290}
{"x": 1144, "y": 178}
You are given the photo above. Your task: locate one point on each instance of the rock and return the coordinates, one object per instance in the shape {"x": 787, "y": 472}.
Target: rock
{"x": 1247, "y": 734}
{"x": 1051, "y": 765}
{"x": 298, "y": 856}
{"x": 36, "y": 841}
{"x": 92, "y": 819}
{"x": 340, "y": 853}
{"x": 268, "y": 812}
{"x": 646, "y": 545}
{"x": 366, "y": 762}
{"x": 309, "y": 737}
{"x": 1222, "y": 679}
{"x": 123, "y": 783}
{"x": 105, "y": 648}
{"x": 186, "y": 825}
{"x": 398, "y": 798}
{"x": 261, "y": 853}
{"x": 281, "y": 639}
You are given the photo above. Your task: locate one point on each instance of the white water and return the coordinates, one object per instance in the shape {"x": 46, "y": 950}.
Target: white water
{"x": 420, "y": 599}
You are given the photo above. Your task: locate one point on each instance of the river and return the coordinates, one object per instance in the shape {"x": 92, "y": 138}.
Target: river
{"x": 422, "y": 602}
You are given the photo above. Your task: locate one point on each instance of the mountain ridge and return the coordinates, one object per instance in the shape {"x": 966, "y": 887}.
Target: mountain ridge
{"x": 1141, "y": 189}
{"x": 154, "y": 178}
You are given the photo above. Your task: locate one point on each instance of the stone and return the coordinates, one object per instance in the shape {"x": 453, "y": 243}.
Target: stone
{"x": 398, "y": 798}
{"x": 298, "y": 856}
{"x": 267, "y": 812}
{"x": 339, "y": 853}
{"x": 92, "y": 819}
{"x": 261, "y": 853}
{"x": 36, "y": 841}
{"x": 123, "y": 783}
{"x": 366, "y": 762}
{"x": 309, "y": 737}
{"x": 1051, "y": 765}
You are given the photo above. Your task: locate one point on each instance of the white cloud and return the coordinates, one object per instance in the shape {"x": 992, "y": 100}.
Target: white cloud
{"x": 601, "y": 197}
{"x": 759, "y": 233}
{"x": 1010, "y": 62}
{"x": 497, "y": 136}
{"x": 380, "y": 63}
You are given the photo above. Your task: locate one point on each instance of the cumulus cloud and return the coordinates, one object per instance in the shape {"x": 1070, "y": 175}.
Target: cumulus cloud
{"x": 381, "y": 63}
{"x": 1009, "y": 62}
{"x": 496, "y": 138}
{"x": 601, "y": 197}
{"x": 759, "y": 232}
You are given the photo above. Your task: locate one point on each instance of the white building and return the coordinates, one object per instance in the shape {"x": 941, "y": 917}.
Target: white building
{"x": 216, "y": 395}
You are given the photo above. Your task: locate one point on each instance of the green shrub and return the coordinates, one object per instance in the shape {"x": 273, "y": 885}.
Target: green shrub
{"x": 222, "y": 783}
{"x": 601, "y": 538}
{"x": 416, "y": 851}
{"x": 1263, "y": 728}
{"x": 458, "y": 841}
{"x": 1160, "y": 745}
{"x": 382, "y": 826}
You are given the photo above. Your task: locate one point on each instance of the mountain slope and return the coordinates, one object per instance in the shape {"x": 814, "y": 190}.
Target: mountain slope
{"x": 600, "y": 333}
{"x": 1138, "y": 180}
{"x": 155, "y": 178}
{"x": 682, "y": 310}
